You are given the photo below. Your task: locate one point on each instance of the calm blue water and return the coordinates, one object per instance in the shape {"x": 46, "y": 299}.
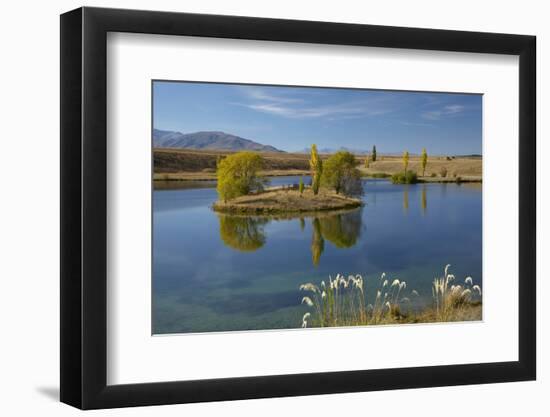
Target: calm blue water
{"x": 214, "y": 272}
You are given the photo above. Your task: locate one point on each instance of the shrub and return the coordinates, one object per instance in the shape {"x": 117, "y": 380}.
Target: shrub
{"x": 443, "y": 172}
{"x": 301, "y": 186}
{"x": 408, "y": 177}
{"x": 379, "y": 175}
{"x": 433, "y": 174}
{"x": 341, "y": 174}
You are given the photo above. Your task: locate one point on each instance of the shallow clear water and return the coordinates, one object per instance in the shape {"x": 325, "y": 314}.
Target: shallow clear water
{"x": 215, "y": 272}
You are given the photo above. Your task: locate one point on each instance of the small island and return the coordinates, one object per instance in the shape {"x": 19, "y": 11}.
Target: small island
{"x": 287, "y": 200}
{"x": 335, "y": 184}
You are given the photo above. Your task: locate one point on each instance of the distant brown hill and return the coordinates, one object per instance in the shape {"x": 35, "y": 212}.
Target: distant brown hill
{"x": 190, "y": 160}
{"x": 207, "y": 140}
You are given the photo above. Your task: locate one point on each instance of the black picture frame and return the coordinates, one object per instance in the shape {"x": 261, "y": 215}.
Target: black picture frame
{"x": 84, "y": 207}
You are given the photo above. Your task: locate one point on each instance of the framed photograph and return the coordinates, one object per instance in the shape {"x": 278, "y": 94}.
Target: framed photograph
{"x": 257, "y": 208}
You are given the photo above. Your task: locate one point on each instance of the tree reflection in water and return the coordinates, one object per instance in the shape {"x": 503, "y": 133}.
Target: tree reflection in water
{"x": 424, "y": 199}
{"x": 343, "y": 229}
{"x": 242, "y": 233}
{"x": 317, "y": 241}
{"x": 247, "y": 233}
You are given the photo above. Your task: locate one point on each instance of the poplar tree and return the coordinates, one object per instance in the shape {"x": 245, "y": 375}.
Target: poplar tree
{"x": 406, "y": 160}
{"x": 424, "y": 160}
{"x": 316, "y": 166}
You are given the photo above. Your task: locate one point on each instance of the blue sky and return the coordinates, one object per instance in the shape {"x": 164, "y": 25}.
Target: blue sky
{"x": 292, "y": 118}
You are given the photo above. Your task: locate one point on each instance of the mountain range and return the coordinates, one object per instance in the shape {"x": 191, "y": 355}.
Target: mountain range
{"x": 207, "y": 140}
{"x": 334, "y": 150}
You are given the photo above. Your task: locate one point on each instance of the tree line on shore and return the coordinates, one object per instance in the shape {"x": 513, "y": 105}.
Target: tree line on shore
{"x": 239, "y": 174}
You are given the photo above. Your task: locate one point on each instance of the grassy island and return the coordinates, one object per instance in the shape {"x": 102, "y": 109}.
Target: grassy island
{"x": 280, "y": 201}
{"x": 335, "y": 185}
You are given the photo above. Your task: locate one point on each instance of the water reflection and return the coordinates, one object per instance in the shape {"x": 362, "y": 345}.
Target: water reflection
{"x": 245, "y": 234}
{"x": 405, "y": 199}
{"x": 343, "y": 229}
{"x": 248, "y": 233}
{"x": 423, "y": 199}
{"x": 317, "y": 242}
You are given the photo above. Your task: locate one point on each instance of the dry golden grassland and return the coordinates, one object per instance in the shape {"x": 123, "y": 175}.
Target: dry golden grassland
{"x": 188, "y": 164}
{"x": 468, "y": 168}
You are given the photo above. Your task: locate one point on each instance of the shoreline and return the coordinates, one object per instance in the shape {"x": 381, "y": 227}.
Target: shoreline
{"x": 470, "y": 312}
{"x": 207, "y": 176}
{"x": 286, "y": 201}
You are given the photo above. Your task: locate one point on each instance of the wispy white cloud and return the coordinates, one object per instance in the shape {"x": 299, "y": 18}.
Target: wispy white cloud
{"x": 417, "y": 124}
{"x": 455, "y": 108}
{"x": 288, "y": 106}
{"x": 334, "y": 111}
{"x": 449, "y": 110}
{"x": 256, "y": 93}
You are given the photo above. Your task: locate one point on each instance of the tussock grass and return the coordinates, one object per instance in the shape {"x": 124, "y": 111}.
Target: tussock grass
{"x": 342, "y": 302}
{"x": 450, "y": 297}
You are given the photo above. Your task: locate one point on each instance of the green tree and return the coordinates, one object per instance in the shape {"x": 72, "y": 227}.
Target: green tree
{"x": 406, "y": 160}
{"x": 301, "y": 186}
{"x": 340, "y": 173}
{"x": 238, "y": 174}
{"x": 424, "y": 160}
{"x": 374, "y": 153}
{"x": 316, "y": 166}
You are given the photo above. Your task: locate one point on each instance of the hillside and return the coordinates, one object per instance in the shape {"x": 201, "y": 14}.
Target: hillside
{"x": 207, "y": 140}
{"x": 188, "y": 160}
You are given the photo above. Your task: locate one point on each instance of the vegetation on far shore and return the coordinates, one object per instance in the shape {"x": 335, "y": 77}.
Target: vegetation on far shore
{"x": 342, "y": 302}
{"x": 407, "y": 177}
{"x": 191, "y": 164}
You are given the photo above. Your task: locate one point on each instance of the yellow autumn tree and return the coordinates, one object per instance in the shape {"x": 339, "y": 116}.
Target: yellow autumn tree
{"x": 424, "y": 160}
{"x": 238, "y": 174}
{"x": 316, "y": 166}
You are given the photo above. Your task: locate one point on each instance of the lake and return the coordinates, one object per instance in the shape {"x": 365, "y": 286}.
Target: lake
{"x": 214, "y": 272}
